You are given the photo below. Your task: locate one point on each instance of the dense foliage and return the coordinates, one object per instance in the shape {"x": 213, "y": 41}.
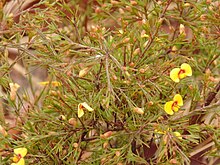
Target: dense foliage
{"x": 111, "y": 82}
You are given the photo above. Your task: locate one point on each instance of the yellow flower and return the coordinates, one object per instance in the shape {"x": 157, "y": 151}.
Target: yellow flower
{"x": 53, "y": 83}
{"x": 162, "y": 132}
{"x": 173, "y": 106}
{"x": 81, "y": 106}
{"x": 179, "y": 73}
{"x": 19, "y": 155}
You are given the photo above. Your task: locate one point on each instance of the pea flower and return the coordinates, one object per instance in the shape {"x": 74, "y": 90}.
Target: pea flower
{"x": 173, "y": 106}
{"x": 53, "y": 83}
{"x": 19, "y": 154}
{"x": 179, "y": 73}
{"x": 162, "y": 132}
{"x": 81, "y": 106}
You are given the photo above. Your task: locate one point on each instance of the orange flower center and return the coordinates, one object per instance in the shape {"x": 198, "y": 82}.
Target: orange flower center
{"x": 182, "y": 71}
{"x": 175, "y": 105}
{"x": 19, "y": 156}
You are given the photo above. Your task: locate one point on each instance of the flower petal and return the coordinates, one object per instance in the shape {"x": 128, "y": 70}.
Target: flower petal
{"x": 177, "y": 134}
{"x": 178, "y": 98}
{"x": 159, "y": 132}
{"x": 86, "y": 106}
{"x": 187, "y": 68}
{"x": 15, "y": 158}
{"x": 182, "y": 75}
{"x": 53, "y": 83}
{"x": 21, "y": 162}
{"x": 175, "y": 108}
{"x": 21, "y": 151}
{"x": 80, "y": 110}
{"x": 168, "y": 107}
{"x": 174, "y": 74}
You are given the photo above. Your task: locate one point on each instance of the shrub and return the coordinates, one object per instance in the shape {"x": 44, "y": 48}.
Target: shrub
{"x": 109, "y": 72}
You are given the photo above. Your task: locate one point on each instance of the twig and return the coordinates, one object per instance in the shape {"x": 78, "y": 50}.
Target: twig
{"x": 211, "y": 95}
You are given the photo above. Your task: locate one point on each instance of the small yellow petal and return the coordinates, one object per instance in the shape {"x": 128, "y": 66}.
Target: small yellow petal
{"x": 80, "y": 111}
{"x": 53, "y": 83}
{"x": 168, "y": 107}
{"x": 159, "y": 132}
{"x": 178, "y": 98}
{"x": 21, "y": 162}
{"x": 44, "y": 83}
{"x": 86, "y": 106}
{"x": 177, "y": 134}
{"x": 15, "y": 158}
{"x": 175, "y": 108}
{"x": 174, "y": 74}
{"x": 187, "y": 68}
{"x": 182, "y": 75}
{"x": 21, "y": 151}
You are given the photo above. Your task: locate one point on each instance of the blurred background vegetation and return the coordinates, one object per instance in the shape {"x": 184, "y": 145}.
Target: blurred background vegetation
{"x": 116, "y": 56}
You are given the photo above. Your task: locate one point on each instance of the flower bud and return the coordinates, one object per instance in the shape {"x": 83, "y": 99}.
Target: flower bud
{"x": 159, "y": 2}
{"x": 53, "y": 93}
{"x": 131, "y": 64}
{"x": 114, "y": 77}
{"x": 62, "y": 117}
{"x": 136, "y": 51}
{"x": 98, "y": 10}
{"x": 151, "y": 103}
{"x": 119, "y": 163}
{"x": 117, "y": 153}
{"x": 113, "y": 2}
{"x": 106, "y": 135}
{"x": 105, "y": 145}
{"x": 182, "y": 29}
{"x": 142, "y": 70}
{"x": 72, "y": 121}
{"x": 208, "y": 1}
{"x": 138, "y": 110}
{"x": 126, "y": 40}
{"x": 133, "y": 2}
{"x": 128, "y": 8}
{"x": 174, "y": 49}
{"x": 84, "y": 72}
{"x": 121, "y": 11}
{"x": 203, "y": 17}
{"x": 187, "y": 5}
{"x": 75, "y": 145}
